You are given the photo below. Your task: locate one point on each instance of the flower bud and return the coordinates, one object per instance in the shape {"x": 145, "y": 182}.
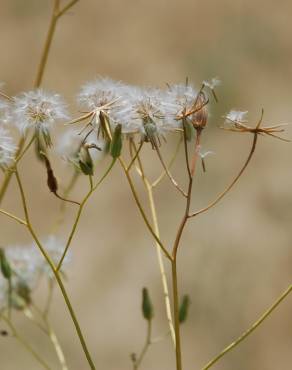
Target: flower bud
{"x": 199, "y": 118}
{"x": 51, "y": 178}
{"x": 116, "y": 144}
{"x": 184, "y": 308}
{"x": 85, "y": 161}
{"x": 5, "y": 266}
{"x": 147, "y": 308}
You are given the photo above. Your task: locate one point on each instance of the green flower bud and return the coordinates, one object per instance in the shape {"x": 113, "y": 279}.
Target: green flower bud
{"x": 5, "y": 266}
{"x": 116, "y": 144}
{"x": 85, "y": 161}
{"x": 184, "y": 308}
{"x": 147, "y": 308}
{"x": 23, "y": 291}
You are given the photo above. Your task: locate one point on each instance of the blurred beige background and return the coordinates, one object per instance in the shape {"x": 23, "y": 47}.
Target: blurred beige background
{"x": 235, "y": 260}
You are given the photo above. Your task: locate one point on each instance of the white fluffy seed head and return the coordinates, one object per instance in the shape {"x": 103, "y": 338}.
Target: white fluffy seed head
{"x": 214, "y": 82}
{"x": 101, "y": 93}
{"x": 7, "y": 148}
{"x": 146, "y": 108}
{"x": 39, "y": 110}
{"x": 236, "y": 116}
{"x": 4, "y": 112}
{"x": 25, "y": 263}
{"x": 28, "y": 266}
{"x": 70, "y": 142}
{"x": 109, "y": 97}
{"x": 179, "y": 99}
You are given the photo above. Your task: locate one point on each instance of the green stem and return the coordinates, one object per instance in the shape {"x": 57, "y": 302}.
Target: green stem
{"x": 265, "y": 315}
{"x": 146, "y": 345}
{"x": 25, "y": 344}
{"x": 82, "y": 204}
{"x": 56, "y": 15}
{"x": 55, "y": 272}
{"x": 176, "y": 315}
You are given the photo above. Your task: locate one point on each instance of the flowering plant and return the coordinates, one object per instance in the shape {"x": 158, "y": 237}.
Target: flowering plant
{"x": 118, "y": 123}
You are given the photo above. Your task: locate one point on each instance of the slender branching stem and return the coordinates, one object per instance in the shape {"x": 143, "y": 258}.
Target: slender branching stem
{"x": 149, "y": 189}
{"x": 82, "y": 204}
{"x": 234, "y": 181}
{"x": 169, "y": 175}
{"x": 176, "y": 315}
{"x": 66, "y": 8}
{"x": 66, "y": 193}
{"x": 163, "y": 174}
{"x": 25, "y": 343}
{"x": 48, "y": 303}
{"x": 146, "y": 346}
{"x": 10, "y": 215}
{"x": 135, "y": 155}
{"x": 55, "y": 16}
{"x": 191, "y": 172}
{"x": 20, "y": 156}
{"x": 141, "y": 209}
{"x": 58, "y": 349}
{"x": 254, "y": 326}
{"x": 54, "y": 271}
{"x": 48, "y": 330}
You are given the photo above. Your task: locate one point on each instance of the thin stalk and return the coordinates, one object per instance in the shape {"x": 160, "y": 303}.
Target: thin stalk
{"x": 25, "y": 344}
{"x": 149, "y": 189}
{"x": 47, "y": 45}
{"x": 15, "y": 218}
{"x": 49, "y": 332}
{"x": 163, "y": 174}
{"x": 254, "y": 326}
{"x": 169, "y": 175}
{"x": 20, "y": 156}
{"x": 58, "y": 348}
{"x": 55, "y": 272}
{"x": 67, "y": 7}
{"x": 146, "y": 345}
{"x": 176, "y": 315}
{"x": 49, "y": 299}
{"x": 136, "y": 197}
{"x": 66, "y": 194}
{"x": 56, "y": 15}
{"x": 234, "y": 181}
{"x": 140, "y": 207}
{"x": 191, "y": 172}
{"x": 82, "y": 204}
{"x": 160, "y": 262}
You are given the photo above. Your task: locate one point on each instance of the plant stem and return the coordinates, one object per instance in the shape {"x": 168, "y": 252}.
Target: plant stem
{"x": 220, "y": 196}
{"x": 176, "y": 315}
{"x": 163, "y": 174}
{"x": 140, "y": 207}
{"x": 47, "y": 45}
{"x": 25, "y": 344}
{"x": 55, "y": 272}
{"x": 265, "y": 315}
{"x": 56, "y": 15}
{"x": 146, "y": 345}
{"x": 191, "y": 172}
{"x": 160, "y": 261}
{"x": 82, "y": 204}
{"x": 48, "y": 330}
{"x": 149, "y": 189}
{"x": 10, "y": 215}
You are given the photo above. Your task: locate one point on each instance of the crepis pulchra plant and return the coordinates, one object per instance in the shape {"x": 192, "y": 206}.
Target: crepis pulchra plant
{"x": 116, "y": 124}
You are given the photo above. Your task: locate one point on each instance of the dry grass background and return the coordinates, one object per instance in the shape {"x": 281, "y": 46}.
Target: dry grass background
{"x": 236, "y": 259}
